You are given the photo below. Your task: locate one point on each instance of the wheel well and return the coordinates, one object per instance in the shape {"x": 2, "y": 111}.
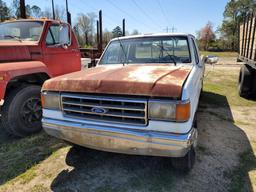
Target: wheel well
{"x": 35, "y": 79}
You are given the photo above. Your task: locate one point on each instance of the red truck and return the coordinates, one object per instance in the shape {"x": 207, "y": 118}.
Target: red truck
{"x": 32, "y": 51}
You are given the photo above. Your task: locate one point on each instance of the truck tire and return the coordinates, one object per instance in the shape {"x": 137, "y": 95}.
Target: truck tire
{"x": 185, "y": 164}
{"x": 254, "y": 85}
{"x": 245, "y": 82}
{"x": 22, "y": 111}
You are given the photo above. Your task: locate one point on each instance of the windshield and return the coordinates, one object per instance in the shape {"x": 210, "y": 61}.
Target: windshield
{"x": 147, "y": 50}
{"x": 21, "y": 31}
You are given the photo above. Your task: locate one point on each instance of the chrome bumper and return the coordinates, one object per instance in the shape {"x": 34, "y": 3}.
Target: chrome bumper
{"x": 128, "y": 141}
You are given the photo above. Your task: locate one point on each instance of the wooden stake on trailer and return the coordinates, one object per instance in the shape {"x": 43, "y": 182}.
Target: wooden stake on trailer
{"x": 100, "y": 32}
{"x": 250, "y": 31}
{"x": 98, "y": 35}
{"x": 246, "y": 35}
{"x": 123, "y": 27}
{"x": 68, "y": 13}
{"x": 253, "y": 37}
{"x": 243, "y": 39}
{"x": 53, "y": 10}
{"x": 22, "y": 9}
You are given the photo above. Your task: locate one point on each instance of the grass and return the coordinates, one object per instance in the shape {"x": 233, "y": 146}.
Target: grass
{"x": 219, "y": 87}
{"x": 18, "y": 157}
{"x": 220, "y": 54}
{"x": 39, "y": 188}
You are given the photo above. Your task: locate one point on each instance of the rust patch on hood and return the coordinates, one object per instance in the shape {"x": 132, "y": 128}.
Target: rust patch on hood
{"x": 144, "y": 80}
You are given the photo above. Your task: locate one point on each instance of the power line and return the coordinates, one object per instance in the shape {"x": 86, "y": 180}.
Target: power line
{"x": 172, "y": 29}
{"x": 163, "y": 12}
{"x": 144, "y": 12}
{"x": 128, "y": 14}
{"x": 109, "y": 21}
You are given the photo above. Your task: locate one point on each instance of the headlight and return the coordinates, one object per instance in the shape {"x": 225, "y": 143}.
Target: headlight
{"x": 169, "y": 111}
{"x": 50, "y": 100}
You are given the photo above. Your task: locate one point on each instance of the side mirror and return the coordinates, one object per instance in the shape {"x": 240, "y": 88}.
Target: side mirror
{"x": 64, "y": 36}
{"x": 210, "y": 59}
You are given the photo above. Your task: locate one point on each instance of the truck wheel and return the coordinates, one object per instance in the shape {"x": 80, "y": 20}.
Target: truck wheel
{"x": 245, "y": 82}
{"x": 22, "y": 111}
{"x": 185, "y": 164}
{"x": 254, "y": 85}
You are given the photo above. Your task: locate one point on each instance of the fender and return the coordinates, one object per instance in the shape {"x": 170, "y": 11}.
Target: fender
{"x": 8, "y": 71}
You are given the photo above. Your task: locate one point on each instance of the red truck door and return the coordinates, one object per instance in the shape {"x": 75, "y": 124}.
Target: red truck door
{"x": 59, "y": 56}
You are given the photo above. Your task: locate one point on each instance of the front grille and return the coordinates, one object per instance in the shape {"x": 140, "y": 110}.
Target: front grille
{"x": 105, "y": 108}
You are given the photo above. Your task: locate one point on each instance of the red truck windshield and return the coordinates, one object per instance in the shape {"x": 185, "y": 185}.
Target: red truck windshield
{"x": 21, "y": 31}
{"x": 147, "y": 50}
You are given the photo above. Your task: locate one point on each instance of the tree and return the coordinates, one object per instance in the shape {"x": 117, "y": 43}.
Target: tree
{"x": 92, "y": 16}
{"x": 107, "y": 36}
{"x": 36, "y": 11}
{"x": 33, "y": 11}
{"x": 84, "y": 26}
{"x": 206, "y": 36}
{"x": 60, "y": 13}
{"x": 135, "y": 32}
{"x": 5, "y": 12}
{"x": 117, "y": 32}
{"x": 233, "y": 14}
{"x": 16, "y": 8}
{"x": 47, "y": 13}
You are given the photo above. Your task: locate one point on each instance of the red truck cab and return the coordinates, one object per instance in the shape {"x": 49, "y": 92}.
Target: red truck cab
{"x": 32, "y": 51}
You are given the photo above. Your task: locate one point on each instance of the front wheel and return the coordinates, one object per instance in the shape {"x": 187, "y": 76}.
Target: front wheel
{"x": 186, "y": 163}
{"x": 22, "y": 111}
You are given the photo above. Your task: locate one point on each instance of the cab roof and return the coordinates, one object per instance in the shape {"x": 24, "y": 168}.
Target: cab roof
{"x": 31, "y": 19}
{"x": 155, "y": 35}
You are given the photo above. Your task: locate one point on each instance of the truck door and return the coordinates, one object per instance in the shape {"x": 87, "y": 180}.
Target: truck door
{"x": 198, "y": 76}
{"x": 61, "y": 55}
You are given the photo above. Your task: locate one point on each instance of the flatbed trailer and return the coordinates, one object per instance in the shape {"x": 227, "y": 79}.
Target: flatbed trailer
{"x": 247, "y": 54}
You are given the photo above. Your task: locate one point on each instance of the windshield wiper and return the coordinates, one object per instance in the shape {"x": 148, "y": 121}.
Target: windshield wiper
{"x": 121, "y": 45}
{"x": 13, "y": 37}
{"x": 167, "y": 52}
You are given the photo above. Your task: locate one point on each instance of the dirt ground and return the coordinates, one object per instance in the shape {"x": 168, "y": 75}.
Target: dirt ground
{"x": 225, "y": 154}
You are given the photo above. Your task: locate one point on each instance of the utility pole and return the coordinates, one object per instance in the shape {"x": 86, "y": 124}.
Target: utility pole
{"x": 172, "y": 29}
{"x": 123, "y": 27}
{"x": 98, "y": 35}
{"x": 53, "y": 11}
{"x": 22, "y": 9}
{"x": 100, "y": 31}
{"x": 68, "y": 13}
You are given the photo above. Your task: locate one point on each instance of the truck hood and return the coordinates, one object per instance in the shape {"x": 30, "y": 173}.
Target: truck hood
{"x": 141, "y": 80}
{"x": 15, "y": 51}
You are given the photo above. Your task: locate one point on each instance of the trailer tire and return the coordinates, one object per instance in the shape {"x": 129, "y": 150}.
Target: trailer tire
{"x": 22, "y": 112}
{"x": 254, "y": 84}
{"x": 245, "y": 82}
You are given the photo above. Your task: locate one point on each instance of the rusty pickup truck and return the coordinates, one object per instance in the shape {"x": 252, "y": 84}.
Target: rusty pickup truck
{"x": 141, "y": 99}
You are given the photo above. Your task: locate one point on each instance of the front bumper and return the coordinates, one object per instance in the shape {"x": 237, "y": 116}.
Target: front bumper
{"x": 127, "y": 141}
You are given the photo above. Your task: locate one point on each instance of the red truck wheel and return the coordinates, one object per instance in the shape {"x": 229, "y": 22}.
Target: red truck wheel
{"x": 245, "y": 82}
{"x": 22, "y": 111}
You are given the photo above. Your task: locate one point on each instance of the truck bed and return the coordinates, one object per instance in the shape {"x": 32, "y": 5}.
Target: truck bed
{"x": 247, "y": 38}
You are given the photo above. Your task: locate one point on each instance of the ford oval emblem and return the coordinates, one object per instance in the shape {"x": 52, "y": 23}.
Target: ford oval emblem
{"x": 99, "y": 110}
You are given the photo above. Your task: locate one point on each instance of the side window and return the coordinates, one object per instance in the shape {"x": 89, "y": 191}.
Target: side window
{"x": 196, "y": 53}
{"x": 52, "y": 37}
{"x": 58, "y": 34}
